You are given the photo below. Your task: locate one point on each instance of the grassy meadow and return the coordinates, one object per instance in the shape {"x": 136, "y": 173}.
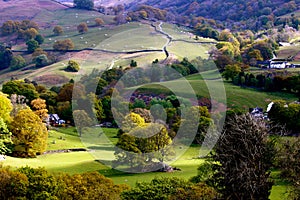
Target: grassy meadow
{"x": 80, "y": 162}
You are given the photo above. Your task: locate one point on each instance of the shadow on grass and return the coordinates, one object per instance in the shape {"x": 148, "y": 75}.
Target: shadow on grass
{"x": 102, "y": 147}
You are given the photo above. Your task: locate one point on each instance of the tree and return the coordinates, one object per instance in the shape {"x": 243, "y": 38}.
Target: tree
{"x": 133, "y": 63}
{"x": 39, "y": 38}
{"x": 5, "y": 108}
{"x": 41, "y": 184}
{"x": 99, "y": 22}
{"x": 84, "y": 4}
{"x": 6, "y": 56}
{"x": 63, "y": 45}
{"x": 58, "y": 30}
{"x": 29, "y": 134}
{"x": 30, "y": 33}
{"x": 82, "y": 28}
{"x": 169, "y": 188}
{"x": 289, "y": 162}
{"x": 41, "y": 60}
{"x": 8, "y": 27}
{"x": 32, "y": 45}
{"x": 39, "y": 108}
{"x": 73, "y": 66}
{"x": 17, "y": 62}
{"x": 20, "y": 87}
{"x": 13, "y": 184}
{"x": 231, "y": 71}
{"x": 242, "y": 159}
{"x": 141, "y": 143}
{"x": 82, "y": 120}
{"x": 5, "y": 138}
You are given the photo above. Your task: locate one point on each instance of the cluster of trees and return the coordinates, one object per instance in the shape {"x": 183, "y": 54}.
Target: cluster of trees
{"x": 171, "y": 189}
{"x": 288, "y": 162}
{"x": 146, "y": 12}
{"x": 268, "y": 81}
{"x": 23, "y": 133}
{"x": 242, "y": 49}
{"x": 27, "y": 30}
{"x": 286, "y": 114}
{"x": 84, "y": 4}
{"x": 58, "y": 99}
{"x": 30, "y": 183}
{"x": 253, "y": 15}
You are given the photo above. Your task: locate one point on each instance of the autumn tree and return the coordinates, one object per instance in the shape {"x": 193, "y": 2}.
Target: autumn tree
{"x": 29, "y": 134}
{"x": 8, "y": 27}
{"x": 13, "y": 184}
{"x": 243, "y": 146}
{"x": 84, "y": 4}
{"x": 82, "y": 28}
{"x": 63, "y": 45}
{"x": 39, "y": 107}
{"x": 58, "y": 30}
{"x": 5, "y": 108}
{"x": 99, "y": 22}
{"x": 30, "y": 33}
{"x": 142, "y": 143}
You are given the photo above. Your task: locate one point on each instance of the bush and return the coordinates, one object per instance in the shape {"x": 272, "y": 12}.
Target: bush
{"x": 73, "y": 66}
{"x": 17, "y": 62}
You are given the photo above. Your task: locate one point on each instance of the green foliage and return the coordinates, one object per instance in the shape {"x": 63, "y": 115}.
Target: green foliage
{"x": 29, "y": 134}
{"x": 5, "y": 138}
{"x": 6, "y": 56}
{"x": 169, "y": 188}
{"x": 17, "y": 62}
{"x": 41, "y": 61}
{"x": 231, "y": 71}
{"x": 288, "y": 161}
{"x": 41, "y": 184}
{"x": 20, "y": 88}
{"x": 133, "y": 63}
{"x": 73, "y": 66}
{"x": 32, "y": 45}
{"x": 39, "y": 38}
{"x": 285, "y": 115}
{"x": 84, "y": 4}
{"x": 141, "y": 143}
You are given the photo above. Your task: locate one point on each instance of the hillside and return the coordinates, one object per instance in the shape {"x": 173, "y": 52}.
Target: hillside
{"x": 15, "y": 9}
{"x": 234, "y": 14}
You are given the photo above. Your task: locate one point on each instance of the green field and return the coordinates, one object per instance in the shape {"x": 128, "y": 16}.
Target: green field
{"x": 80, "y": 162}
{"x": 235, "y": 96}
